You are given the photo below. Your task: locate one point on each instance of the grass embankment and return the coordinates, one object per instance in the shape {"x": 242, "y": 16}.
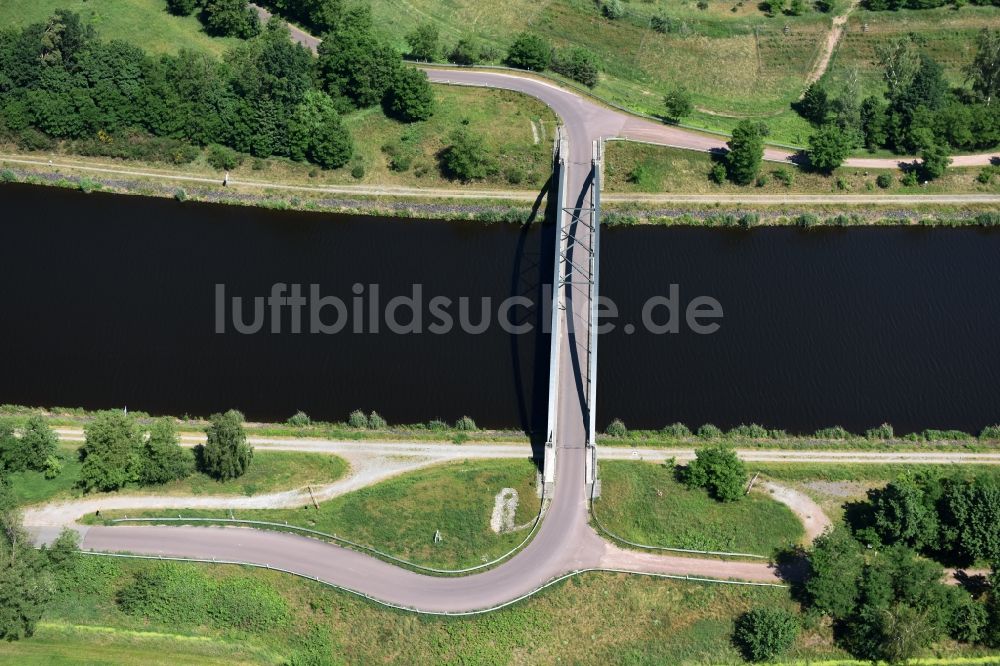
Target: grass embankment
{"x": 435, "y": 431}
{"x": 144, "y": 23}
{"x": 632, "y": 167}
{"x": 518, "y": 131}
{"x": 269, "y": 471}
{"x": 400, "y": 516}
{"x": 589, "y": 619}
{"x": 644, "y": 503}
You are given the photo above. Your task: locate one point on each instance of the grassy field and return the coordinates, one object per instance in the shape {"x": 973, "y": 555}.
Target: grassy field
{"x": 269, "y": 471}
{"x": 639, "y": 167}
{"x": 145, "y": 23}
{"x": 401, "y": 515}
{"x": 644, "y": 503}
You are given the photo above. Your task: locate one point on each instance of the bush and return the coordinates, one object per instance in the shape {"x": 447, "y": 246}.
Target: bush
{"x": 299, "y": 419}
{"x": 884, "y": 181}
{"x": 764, "y": 633}
{"x": 616, "y": 429}
{"x": 467, "y": 158}
{"x": 466, "y": 52}
{"x": 357, "y": 419}
{"x": 465, "y": 424}
{"x": 784, "y": 176}
{"x": 752, "y": 431}
{"x": 762, "y": 180}
{"x": 8, "y": 176}
{"x": 806, "y": 220}
{"x": 223, "y": 158}
{"x": 181, "y": 7}
{"x": 718, "y": 470}
{"x": 709, "y": 431}
{"x": 676, "y": 430}
{"x": 358, "y": 171}
{"x": 529, "y": 52}
{"x": 884, "y": 431}
{"x": 168, "y": 592}
{"x": 990, "y": 432}
{"x": 836, "y": 432}
{"x": 910, "y": 179}
{"x": 748, "y": 220}
{"x": 180, "y": 194}
{"x": 613, "y": 9}
{"x": 376, "y": 422}
{"x": 986, "y": 174}
{"x": 678, "y": 103}
{"x": 578, "y": 64}
{"x": 718, "y": 173}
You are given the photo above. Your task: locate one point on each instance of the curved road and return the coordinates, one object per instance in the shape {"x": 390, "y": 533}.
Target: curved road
{"x": 565, "y": 542}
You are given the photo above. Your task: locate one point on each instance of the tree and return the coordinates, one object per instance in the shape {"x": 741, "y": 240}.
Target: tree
{"x": 110, "y": 451}
{"x": 718, "y": 470}
{"x": 25, "y": 585}
{"x": 466, "y": 52}
{"x": 983, "y": 73}
{"x": 316, "y": 132}
{"x": 678, "y": 102}
{"x": 836, "y": 563}
{"x": 182, "y": 7}
{"x": 746, "y": 152}
{"x": 969, "y": 511}
{"x": 828, "y": 147}
{"x": 230, "y": 18}
{"x": 613, "y": 9}
{"x": 529, "y": 52}
{"x": 355, "y": 63}
{"x": 227, "y": 454}
{"x": 935, "y": 159}
{"x": 764, "y": 633}
{"x": 163, "y": 459}
{"x": 411, "y": 97}
{"x": 32, "y": 450}
{"x": 815, "y": 104}
{"x": 468, "y": 158}
{"x": 873, "y": 123}
{"x": 904, "y": 512}
{"x": 578, "y": 64}
{"x": 423, "y": 41}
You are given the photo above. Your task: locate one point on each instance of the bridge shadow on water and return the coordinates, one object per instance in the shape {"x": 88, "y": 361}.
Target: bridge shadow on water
{"x": 531, "y": 278}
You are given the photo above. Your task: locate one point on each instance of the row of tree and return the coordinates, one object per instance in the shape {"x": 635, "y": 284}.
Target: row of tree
{"x": 893, "y": 5}
{"x": 117, "y": 451}
{"x": 920, "y": 113}
{"x": 268, "y": 96}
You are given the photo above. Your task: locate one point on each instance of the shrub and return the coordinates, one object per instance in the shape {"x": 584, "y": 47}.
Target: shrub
{"x": 578, "y": 64}
{"x": 468, "y": 158}
{"x": 437, "y": 424}
{"x": 465, "y": 424}
{"x": 884, "y": 181}
{"x": 357, "y": 419}
{"x": 709, "y": 431}
{"x": 762, "y": 180}
{"x": 181, "y": 7}
{"x": 678, "y": 102}
{"x": 784, "y": 176}
{"x": 985, "y": 175}
{"x": 763, "y": 633}
{"x": 466, "y": 52}
{"x": 718, "y": 173}
{"x": 617, "y": 429}
{"x": 167, "y": 592}
{"x": 718, "y": 470}
{"x": 676, "y": 430}
{"x": 376, "y": 422}
{"x": 299, "y": 419}
{"x": 613, "y": 9}
{"x": 910, "y": 179}
{"x": 358, "y": 171}
{"x": 223, "y": 158}
{"x": 180, "y": 194}
{"x": 884, "y": 431}
{"x": 8, "y": 176}
{"x": 807, "y": 220}
{"x": 529, "y": 52}
{"x": 752, "y": 431}
{"x": 990, "y": 432}
{"x": 836, "y": 432}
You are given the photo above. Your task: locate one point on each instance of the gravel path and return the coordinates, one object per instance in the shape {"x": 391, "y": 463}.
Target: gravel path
{"x": 814, "y": 520}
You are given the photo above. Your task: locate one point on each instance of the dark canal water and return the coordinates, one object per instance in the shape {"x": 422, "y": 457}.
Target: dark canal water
{"x": 112, "y": 301}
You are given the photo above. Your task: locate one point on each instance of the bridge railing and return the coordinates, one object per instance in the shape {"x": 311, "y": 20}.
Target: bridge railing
{"x": 555, "y": 328}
